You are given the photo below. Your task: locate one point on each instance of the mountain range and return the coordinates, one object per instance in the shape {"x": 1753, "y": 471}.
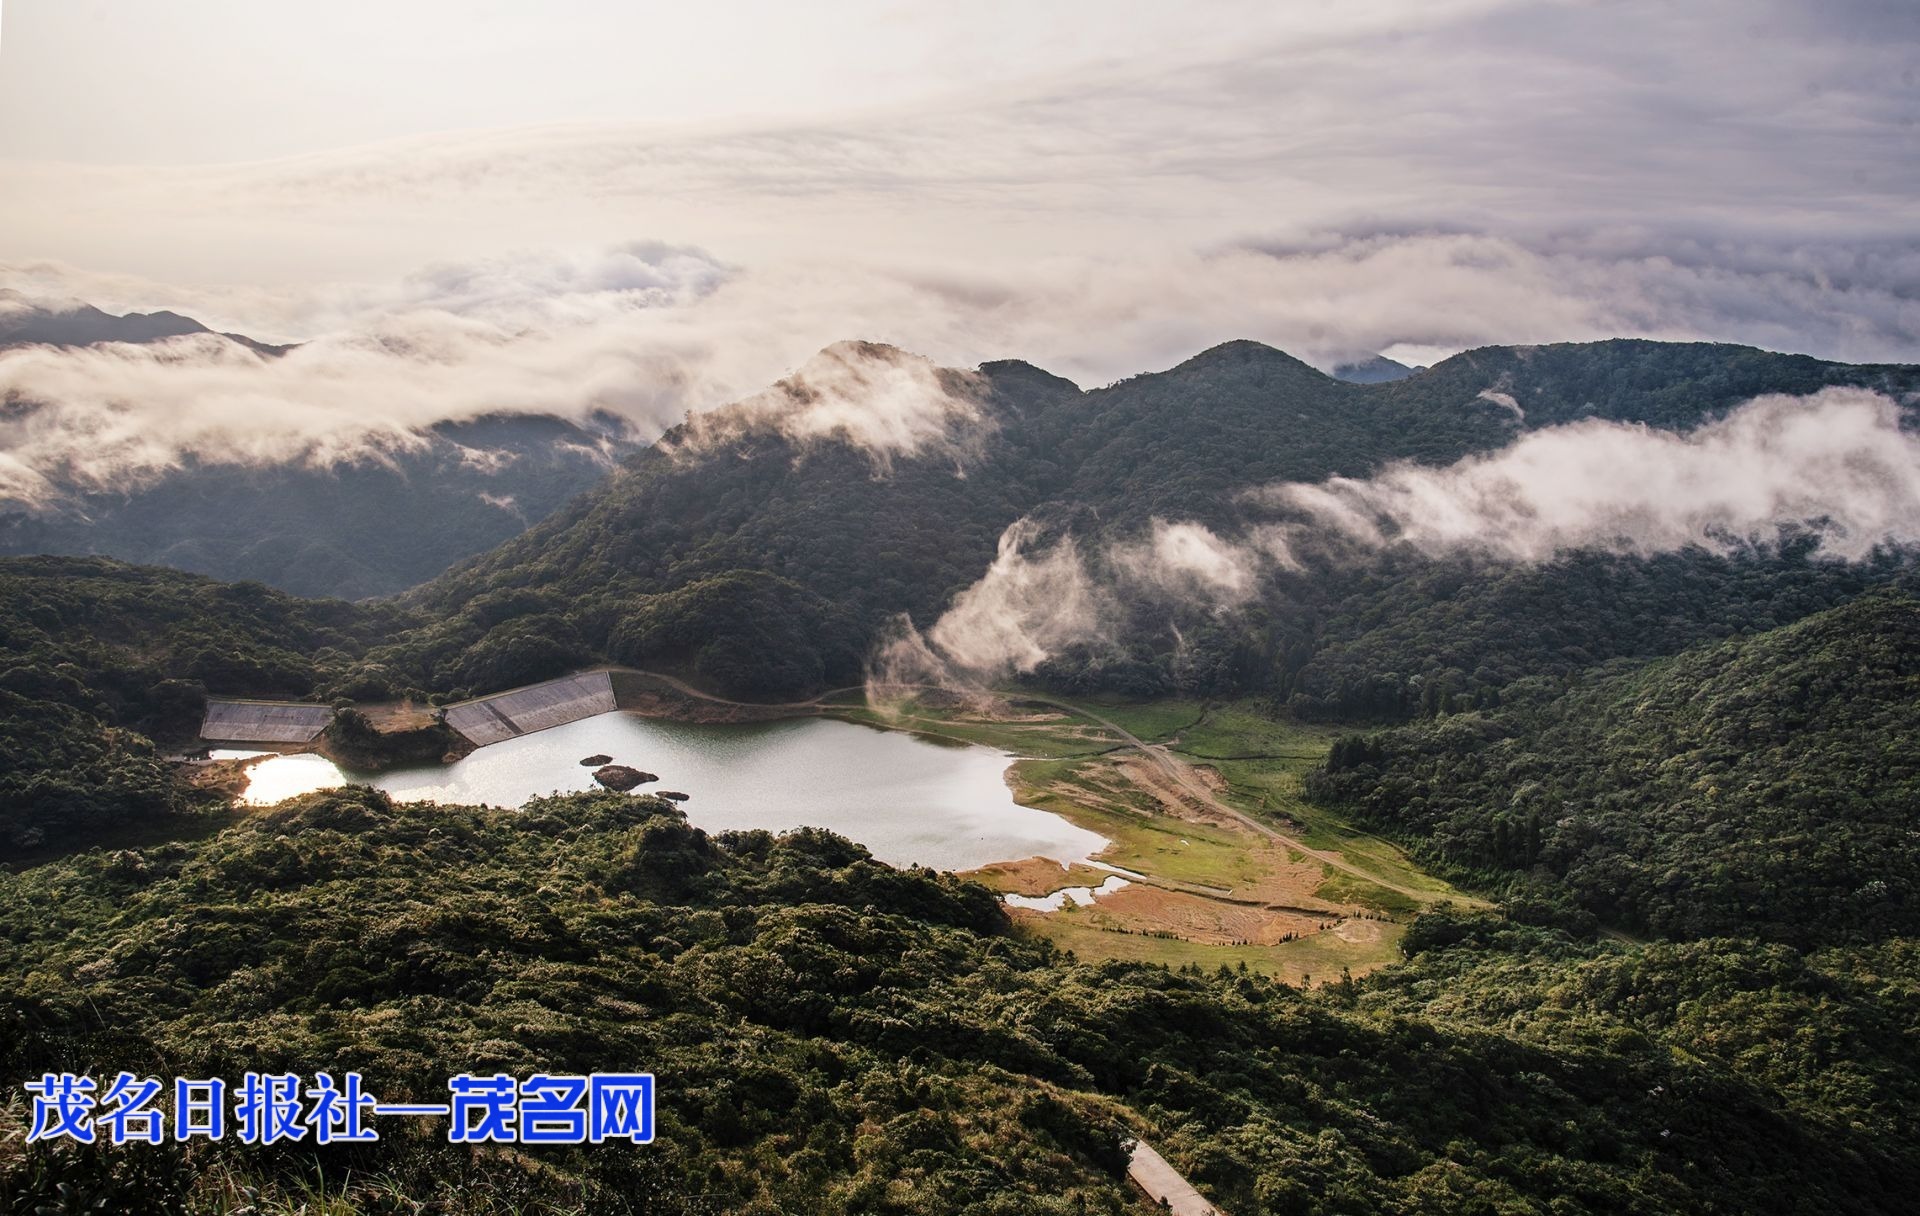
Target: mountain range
{"x": 372, "y": 525}
{"x": 765, "y": 560}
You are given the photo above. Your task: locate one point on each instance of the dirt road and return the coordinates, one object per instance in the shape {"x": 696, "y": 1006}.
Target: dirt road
{"x": 1190, "y": 783}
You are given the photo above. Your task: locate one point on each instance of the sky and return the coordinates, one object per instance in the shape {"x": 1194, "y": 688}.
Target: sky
{"x": 653, "y": 208}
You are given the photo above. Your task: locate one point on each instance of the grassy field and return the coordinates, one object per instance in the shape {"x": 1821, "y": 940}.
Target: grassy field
{"x": 1263, "y": 762}
{"x": 1270, "y": 791}
{"x": 1260, "y": 888}
{"x": 1153, "y": 721}
{"x": 1317, "y": 959}
{"x": 1143, "y": 840}
{"x": 1235, "y": 730}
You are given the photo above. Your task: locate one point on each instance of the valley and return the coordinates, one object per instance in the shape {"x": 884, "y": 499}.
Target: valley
{"x": 1393, "y": 880}
{"x": 875, "y": 609}
{"x": 1220, "y": 860}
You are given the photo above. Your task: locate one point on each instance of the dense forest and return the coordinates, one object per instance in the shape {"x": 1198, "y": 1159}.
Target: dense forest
{"x": 1403, "y": 637}
{"x": 837, "y": 1036}
{"x": 764, "y": 566}
{"x": 1766, "y": 785}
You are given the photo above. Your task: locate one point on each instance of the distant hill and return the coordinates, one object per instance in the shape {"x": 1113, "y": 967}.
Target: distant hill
{"x": 352, "y": 530}
{"x": 24, "y": 323}
{"x": 1715, "y": 750}
{"x": 98, "y": 658}
{"x": 349, "y": 530}
{"x": 1377, "y": 370}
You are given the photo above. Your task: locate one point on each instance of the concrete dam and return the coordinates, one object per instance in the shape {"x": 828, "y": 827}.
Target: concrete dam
{"x": 484, "y": 720}
{"x": 521, "y": 711}
{"x": 264, "y": 721}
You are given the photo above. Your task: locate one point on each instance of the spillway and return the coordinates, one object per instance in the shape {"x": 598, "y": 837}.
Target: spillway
{"x": 533, "y": 708}
{"x": 264, "y": 721}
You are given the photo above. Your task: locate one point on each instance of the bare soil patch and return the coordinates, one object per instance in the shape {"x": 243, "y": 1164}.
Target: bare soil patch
{"x": 1174, "y": 801}
{"x": 1288, "y": 878}
{"x": 1358, "y": 931}
{"x": 390, "y": 716}
{"x": 1195, "y": 918}
{"x": 1035, "y": 876}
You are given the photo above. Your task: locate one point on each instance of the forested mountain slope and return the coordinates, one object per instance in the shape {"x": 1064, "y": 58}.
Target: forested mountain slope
{"x": 1767, "y": 785}
{"x": 800, "y": 550}
{"x": 832, "y": 1035}
{"x": 836, "y": 1034}
{"x": 763, "y": 563}
{"x": 1401, "y": 636}
{"x": 97, "y": 659}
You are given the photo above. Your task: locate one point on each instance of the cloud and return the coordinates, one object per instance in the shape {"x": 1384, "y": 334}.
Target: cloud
{"x": 568, "y": 337}
{"x": 557, "y": 288}
{"x": 649, "y": 332}
{"x": 1034, "y": 600}
{"x": 1418, "y": 177}
{"x": 1837, "y": 464}
{"x": 1027, "y": 605}
{"x": 1186, "y": 559}
{"x": 879, "y": 398}
{"x": 1738, "y": 169}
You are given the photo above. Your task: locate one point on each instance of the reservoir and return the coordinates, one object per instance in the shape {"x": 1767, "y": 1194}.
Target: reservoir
{"x": 907, "y": 799}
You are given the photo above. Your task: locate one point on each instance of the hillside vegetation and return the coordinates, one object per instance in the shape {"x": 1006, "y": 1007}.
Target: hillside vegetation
{"x": 1710, "y": 757}
{"x": 835, "y": 1036}
{"x": 99, "y": 659}
{"x": 1766, "y": 785}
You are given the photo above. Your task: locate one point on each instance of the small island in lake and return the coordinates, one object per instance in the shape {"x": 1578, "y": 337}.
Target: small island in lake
{"x": 620, "y": 777}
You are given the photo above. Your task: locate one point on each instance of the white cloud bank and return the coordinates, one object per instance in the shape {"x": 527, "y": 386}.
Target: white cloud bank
{"x": 454, "y": 343}
{"x": 1837, "y": 464}
{"x": 881, "y": 399}
{"x": 650, "y": 332}
{"x": 1032, "y": 602}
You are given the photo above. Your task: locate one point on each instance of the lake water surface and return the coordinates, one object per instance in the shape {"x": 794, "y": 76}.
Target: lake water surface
{"x": 907, "y": 799}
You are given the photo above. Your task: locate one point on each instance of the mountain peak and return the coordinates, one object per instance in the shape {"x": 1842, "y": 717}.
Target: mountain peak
{"x": 1377, "y": 370}
{"x": 72, "y": 323}
{"x": 27, "y": 321}
{"x": 1245, "y": 352}
{"x": 1020, "y": 371}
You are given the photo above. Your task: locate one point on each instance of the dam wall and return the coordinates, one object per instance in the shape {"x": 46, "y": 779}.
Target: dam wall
{"x": 264, "y": 721}
{"x": 522, "y": 711}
